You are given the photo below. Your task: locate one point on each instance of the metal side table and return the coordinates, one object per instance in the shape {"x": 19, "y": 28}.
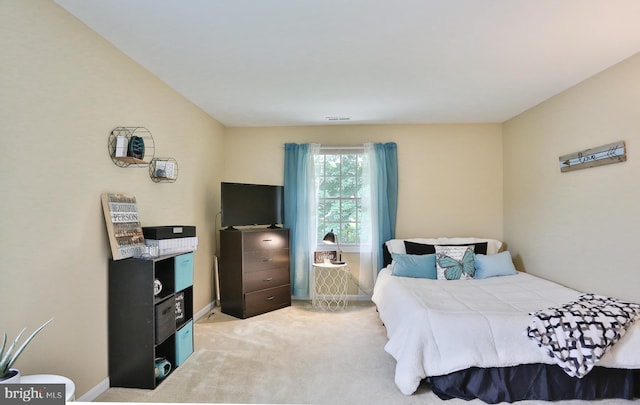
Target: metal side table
{"x": 330, "y": 285}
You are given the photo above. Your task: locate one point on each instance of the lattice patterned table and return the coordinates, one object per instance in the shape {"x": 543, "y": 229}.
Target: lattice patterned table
{"x": 331, "y": 282}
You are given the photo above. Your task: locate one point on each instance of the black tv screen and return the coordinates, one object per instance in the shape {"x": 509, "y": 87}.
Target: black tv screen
{"x": 251, "y": 204}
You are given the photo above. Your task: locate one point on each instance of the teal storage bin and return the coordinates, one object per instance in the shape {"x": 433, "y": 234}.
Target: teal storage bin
{"x": 183, "y": 271}
{"x": 184, "y": 343}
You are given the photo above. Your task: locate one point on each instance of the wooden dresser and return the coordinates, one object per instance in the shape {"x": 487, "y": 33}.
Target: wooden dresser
{"x": 254, "y": 271}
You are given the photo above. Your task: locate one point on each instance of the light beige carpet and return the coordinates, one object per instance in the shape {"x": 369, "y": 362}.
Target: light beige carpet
{"x": 293, "y": 355}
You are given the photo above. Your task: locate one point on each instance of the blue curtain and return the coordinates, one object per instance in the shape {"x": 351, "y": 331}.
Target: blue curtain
{"x": 300, "y": 191}
{"x": 299, "y": 203}
{"x": 385, "y": 184}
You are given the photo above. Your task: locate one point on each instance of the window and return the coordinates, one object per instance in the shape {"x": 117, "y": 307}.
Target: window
{"x": 339, "y": 171}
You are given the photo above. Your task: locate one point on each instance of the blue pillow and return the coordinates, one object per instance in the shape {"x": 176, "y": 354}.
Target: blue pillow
{"x": 417, "y": 266}
{"x": 499, "y": 264}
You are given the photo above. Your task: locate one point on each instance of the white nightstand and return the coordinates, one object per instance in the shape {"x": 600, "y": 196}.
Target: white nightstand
{"x": 70, "y": 387}
{"x": 330, "y": 286}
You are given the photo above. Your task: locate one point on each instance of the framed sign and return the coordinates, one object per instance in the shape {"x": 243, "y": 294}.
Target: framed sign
{"x": 318, "y": 257}
{"x": 123, "y": 225}
{"x": 602, "y": 155}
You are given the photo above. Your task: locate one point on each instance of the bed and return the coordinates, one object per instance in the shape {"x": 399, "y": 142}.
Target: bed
{"x": 468, "y": 338}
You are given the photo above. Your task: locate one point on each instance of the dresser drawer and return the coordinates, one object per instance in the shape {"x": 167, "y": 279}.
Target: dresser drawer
{"x": 265, "y": 260}
{"x": 265, "y": 240}
{"x": 259, "y": 280}
{"x": 267, "y": 300}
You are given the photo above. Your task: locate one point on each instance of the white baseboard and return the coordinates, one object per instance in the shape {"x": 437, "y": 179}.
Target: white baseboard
{"x": 350, "y": 297}
{"x": 360, "y": 297}
{"x": 95, "y": 392}
{"x": 204, "y": 311}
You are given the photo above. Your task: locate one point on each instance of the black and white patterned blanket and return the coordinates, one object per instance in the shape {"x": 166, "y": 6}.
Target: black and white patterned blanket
{"x": 578, "y": 334}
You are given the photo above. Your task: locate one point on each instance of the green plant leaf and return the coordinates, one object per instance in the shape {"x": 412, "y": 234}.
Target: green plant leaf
{"x": 9, "y": 357}
{"x": 6, "y": 360}
{"x": 26, "y": 342}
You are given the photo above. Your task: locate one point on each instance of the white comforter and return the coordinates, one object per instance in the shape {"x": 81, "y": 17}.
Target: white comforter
{"x": 436, "y": 327}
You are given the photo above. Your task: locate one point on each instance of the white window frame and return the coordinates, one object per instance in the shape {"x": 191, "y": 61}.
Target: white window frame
{"x": 345, "y": 247}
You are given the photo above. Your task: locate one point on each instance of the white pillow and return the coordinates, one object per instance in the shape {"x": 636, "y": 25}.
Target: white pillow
{"x": 493, "y": 245}
{"x": 397, "y": 245}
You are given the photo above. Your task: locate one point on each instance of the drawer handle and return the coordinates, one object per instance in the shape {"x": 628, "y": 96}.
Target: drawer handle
{"x": 267, "y": 259}
{"x": 270, "y": 298}
{"x": 268, "y": 279}
{"x": 267, "y": 240}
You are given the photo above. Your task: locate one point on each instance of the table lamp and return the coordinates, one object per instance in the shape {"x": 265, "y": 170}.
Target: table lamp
{"x": 331, "y": 237}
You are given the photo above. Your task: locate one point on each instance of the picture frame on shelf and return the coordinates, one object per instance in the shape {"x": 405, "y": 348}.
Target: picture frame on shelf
{"x": 321, "y": 255}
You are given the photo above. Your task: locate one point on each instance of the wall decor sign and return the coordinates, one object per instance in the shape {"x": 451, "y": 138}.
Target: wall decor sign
{"x": 614, "y": 152}
{"x": 123, "y": 225}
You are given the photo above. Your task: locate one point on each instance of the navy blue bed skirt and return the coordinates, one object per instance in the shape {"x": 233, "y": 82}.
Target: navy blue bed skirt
{"x": 536, "y": 382}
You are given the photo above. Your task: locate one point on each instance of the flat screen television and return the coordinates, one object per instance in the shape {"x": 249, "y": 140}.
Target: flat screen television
{"x": 251, "y": 204}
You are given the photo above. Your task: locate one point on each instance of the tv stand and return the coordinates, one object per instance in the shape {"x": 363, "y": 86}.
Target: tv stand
{"x": 230, "y": 228}
{"x": 273, "y": 226}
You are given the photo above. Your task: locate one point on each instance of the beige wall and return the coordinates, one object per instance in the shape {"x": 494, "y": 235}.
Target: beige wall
{"x": 579, "y": 228}
{"x": 450, "y": 176}
{"x": 62, "y": 90}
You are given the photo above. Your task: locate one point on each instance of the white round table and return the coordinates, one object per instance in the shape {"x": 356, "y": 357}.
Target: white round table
{"x": 70, "y": 387}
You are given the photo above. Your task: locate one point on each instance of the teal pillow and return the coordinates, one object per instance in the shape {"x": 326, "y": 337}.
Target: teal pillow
{"x": 417, "y": 266}
{"x": 499, "y": 264}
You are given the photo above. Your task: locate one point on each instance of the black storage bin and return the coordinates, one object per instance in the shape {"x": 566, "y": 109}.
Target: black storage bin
{"x": 165, "y": 319}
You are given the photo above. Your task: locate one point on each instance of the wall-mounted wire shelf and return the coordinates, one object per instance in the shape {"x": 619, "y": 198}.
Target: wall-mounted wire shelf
{"x": 131, "y": 146}
{"x": 163, "y": 170}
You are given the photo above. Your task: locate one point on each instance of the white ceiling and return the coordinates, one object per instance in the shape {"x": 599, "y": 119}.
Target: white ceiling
{"x": 297, "y": 62}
